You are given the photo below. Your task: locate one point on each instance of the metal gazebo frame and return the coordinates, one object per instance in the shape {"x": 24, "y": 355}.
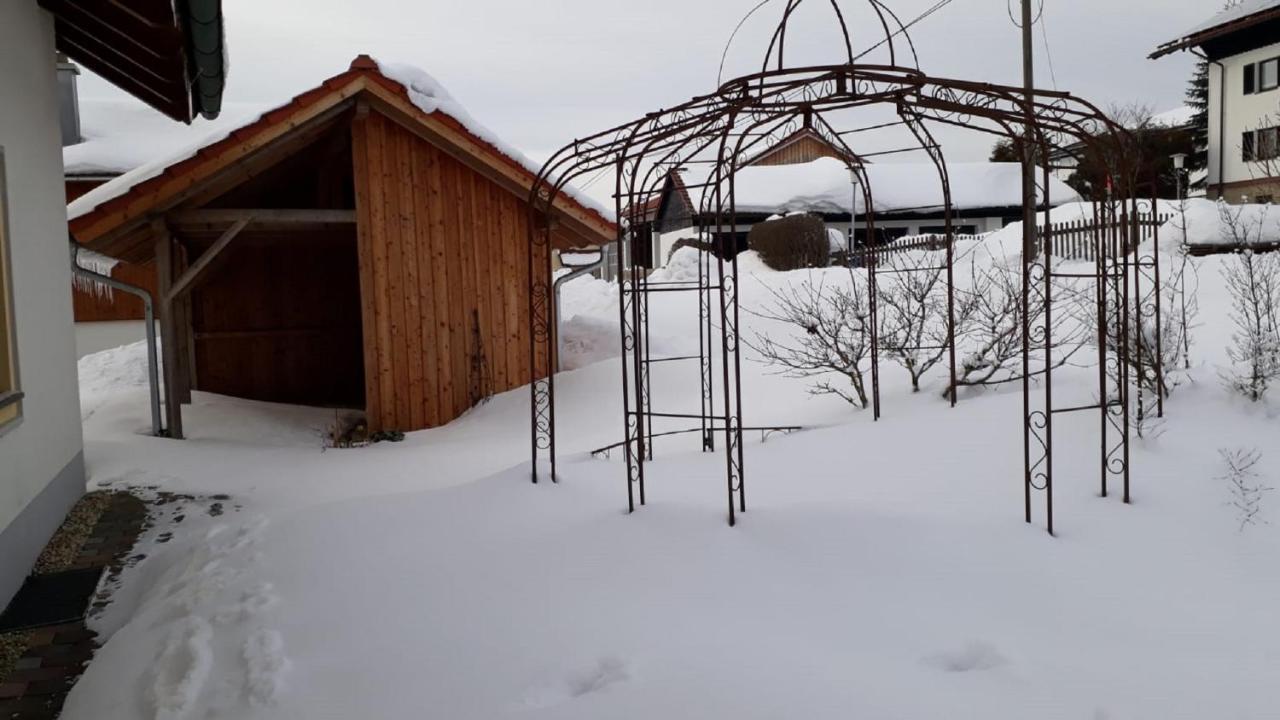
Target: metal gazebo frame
{"x": 750, "y": 114}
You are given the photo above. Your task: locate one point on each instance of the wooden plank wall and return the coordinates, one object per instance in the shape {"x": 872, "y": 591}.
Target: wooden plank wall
{"x": 279, "y": 319}
{"x": 803, "y": 150}
{"x": 93, "y": 306}
{"x": 444, "y": 273}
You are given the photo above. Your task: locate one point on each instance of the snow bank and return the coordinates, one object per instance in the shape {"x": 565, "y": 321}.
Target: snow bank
{"x": 1210, "y": 223}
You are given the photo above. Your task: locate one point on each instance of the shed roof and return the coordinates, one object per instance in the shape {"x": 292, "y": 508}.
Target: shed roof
{"x": 140, "y": 194}
{"x": 1237, "y": 17}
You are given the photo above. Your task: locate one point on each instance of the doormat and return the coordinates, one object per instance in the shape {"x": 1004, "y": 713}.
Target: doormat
{"x": 51, "y": 599}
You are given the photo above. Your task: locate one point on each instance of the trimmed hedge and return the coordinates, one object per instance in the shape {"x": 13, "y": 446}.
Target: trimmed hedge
{"x": 791, "y": 243}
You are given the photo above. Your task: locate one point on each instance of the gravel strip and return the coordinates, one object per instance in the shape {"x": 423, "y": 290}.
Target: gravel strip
{"x": 61, "y": 551}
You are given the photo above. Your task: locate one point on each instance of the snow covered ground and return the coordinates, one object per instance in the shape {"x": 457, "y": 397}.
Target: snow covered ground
{"x": 883, "y": 569}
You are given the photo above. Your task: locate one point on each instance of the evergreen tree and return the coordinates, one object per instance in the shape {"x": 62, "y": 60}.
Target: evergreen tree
{"x": 1198, "y": 100}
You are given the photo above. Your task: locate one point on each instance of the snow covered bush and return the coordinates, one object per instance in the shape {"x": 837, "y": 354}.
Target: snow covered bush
{"x": 791, "y": 243}
{"x": 1253, "y": 282}
{"x": 829, "y": 331}
{"x": 1242, "y": 480}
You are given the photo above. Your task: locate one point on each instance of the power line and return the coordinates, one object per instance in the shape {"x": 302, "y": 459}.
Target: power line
{"x": 1044, "y": 33}
{"x": 904, "y": 28}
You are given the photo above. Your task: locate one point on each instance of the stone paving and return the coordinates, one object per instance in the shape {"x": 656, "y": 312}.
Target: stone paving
{"x": 54, "y": 657}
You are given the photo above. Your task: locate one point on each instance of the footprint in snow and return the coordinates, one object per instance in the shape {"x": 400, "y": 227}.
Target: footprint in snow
{"x": 974, "y": 656}
{"x": 182, "y": 668}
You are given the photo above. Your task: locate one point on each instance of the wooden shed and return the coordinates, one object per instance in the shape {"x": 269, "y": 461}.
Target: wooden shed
{"x": 363, "y": 246}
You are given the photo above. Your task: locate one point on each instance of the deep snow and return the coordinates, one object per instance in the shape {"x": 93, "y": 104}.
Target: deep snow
{"x": 883, "y": 569}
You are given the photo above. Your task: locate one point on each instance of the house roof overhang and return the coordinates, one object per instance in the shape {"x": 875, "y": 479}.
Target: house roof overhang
{"x": 1206, "y": 35}
{"x": 167, "y": 53}
{"x": 120, "y": 226}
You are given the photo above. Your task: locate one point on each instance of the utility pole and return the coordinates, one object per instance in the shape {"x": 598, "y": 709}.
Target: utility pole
{"x": 1028, "y": 138}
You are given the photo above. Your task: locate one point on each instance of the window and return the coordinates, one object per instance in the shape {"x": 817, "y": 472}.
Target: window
{"x": 1261, "y": 77}
{"x": 1260, "y": 145}
{"x": 1264, "y": 199}
{"x": 10, "y": 398}
{"x": 1269, "y": 75}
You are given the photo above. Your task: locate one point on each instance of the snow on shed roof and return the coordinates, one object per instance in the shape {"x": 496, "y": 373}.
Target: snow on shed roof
{"x": 825, "y": 186}
{"x": 422, "y": 90}
{"x": 123, "y": 134}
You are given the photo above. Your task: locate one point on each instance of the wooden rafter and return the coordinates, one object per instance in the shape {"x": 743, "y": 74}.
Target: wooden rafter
{"x": 220, "y": 216}
{"x": 201, "y": 266}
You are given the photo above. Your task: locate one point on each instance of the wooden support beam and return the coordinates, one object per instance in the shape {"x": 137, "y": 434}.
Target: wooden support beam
{"x": 201, "y": 266}
{"x": 168, "y": 329}
{"x": 182, "y": 323}
{"x": 262, "y": 216}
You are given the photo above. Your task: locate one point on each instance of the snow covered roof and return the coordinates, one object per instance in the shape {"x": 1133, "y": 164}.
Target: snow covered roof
{"x": 1177, "y": 118}
{"x": 1238, "y": 16}
{"x": 120, "y": 135}
{"x": 1232, "y": 14}
{"x": 825, "y": 186}
{"x": 417, "y": 87}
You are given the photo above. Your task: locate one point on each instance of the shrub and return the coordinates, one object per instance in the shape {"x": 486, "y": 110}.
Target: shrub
{"x": 791, "y": 243}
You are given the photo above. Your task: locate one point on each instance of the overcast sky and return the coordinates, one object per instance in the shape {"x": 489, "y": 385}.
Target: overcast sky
{"x": 540, "y": 73}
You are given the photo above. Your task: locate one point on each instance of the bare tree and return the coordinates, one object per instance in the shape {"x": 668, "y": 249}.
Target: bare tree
{"x": 1181, "y": 295}
{"x": 913, "y": 315}
{"x": 1253, "y": 282}
{"x": 1242, "y": 480}
{"x": 829, "y": 332}
{"x": 991, "y": 338}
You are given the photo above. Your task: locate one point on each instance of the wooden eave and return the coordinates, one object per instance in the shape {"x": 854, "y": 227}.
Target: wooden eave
{"x": 119, "y": 226}
{"x": 149, "y": 48}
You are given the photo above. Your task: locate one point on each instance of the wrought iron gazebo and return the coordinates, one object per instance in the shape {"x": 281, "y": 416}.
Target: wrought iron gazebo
{"x": 750, "y": 114}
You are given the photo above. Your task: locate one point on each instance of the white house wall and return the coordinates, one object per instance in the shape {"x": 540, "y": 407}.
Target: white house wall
{"x": 1243, "y": 113}
{"x": 41, "y": 463}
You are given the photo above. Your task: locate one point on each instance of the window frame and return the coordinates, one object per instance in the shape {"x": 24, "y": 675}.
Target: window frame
{"x": 11, "y": 396}
{"x": 1267, "y": 144}
{"x": 1261, "y": 75}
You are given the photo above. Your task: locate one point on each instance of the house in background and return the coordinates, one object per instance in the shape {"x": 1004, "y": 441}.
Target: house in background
{"x": 1242, "y": 46}
{"x": 170, "y": 58}
{"x": 365, "y": 246}
{"x": 907, "y": 199}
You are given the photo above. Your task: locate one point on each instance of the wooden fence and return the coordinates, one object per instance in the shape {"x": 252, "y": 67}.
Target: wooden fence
{"x": 901, "y": 245}
{"x": 1078, "y": 239}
